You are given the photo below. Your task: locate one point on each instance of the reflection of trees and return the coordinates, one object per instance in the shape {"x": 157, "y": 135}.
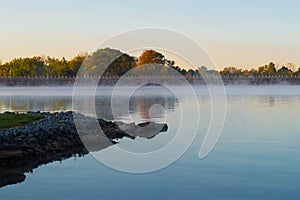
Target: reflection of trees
{"x": 143, "y": 105}
{"x": 137, "y": 104}
{"x": 58, "y": 104}
{"x": 270, "y": 100}
{"x": 103, "y": 108}
{"x": 4, "y": 103}
{"x": 23, "y": 104}
{"x": 275, "y": 100}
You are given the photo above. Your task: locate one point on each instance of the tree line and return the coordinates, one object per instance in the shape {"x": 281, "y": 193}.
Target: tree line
{"x": 41, "y": 66}
{"x": 119, "y": 63}
{"x": 266, "y": 70}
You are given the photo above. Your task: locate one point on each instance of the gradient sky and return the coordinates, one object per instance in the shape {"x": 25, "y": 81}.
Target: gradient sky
{"x": 236, "y": 33}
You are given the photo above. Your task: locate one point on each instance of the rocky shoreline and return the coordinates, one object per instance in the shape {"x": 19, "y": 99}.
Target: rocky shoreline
{"x": 55, "y": 137}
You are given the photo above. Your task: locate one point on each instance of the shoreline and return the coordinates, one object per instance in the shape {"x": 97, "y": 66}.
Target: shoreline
{"x": 55, "y": 138}
{"x": 111, "y": 81}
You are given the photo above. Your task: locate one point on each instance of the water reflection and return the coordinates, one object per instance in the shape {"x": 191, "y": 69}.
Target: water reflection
{"x": 14, "y": 171}
{"x": 258, "y": 152}
{"x": 34, "y": 103}
{"x": 139, "y": 105}
{"x": 275, "y": 100}
{"x": 147, "y": 103}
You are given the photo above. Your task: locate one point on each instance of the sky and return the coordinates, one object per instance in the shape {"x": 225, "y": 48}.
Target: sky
{"x": 245, "y": 34}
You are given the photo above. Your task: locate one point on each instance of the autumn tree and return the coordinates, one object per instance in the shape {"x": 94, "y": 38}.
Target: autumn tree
{"x": 151, "y": 56}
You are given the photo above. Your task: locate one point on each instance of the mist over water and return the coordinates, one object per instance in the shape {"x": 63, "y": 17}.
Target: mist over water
{"x": 257, "y": 156}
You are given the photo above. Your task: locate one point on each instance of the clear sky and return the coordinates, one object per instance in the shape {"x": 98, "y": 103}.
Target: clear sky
{"x": 236, "y": 33}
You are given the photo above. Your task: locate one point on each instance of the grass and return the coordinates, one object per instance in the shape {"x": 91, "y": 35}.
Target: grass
{"x": 8, "y": 120}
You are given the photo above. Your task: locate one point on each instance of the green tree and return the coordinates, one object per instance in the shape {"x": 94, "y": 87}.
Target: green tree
{"x": 284, "y": 71}
{"x": 269, "y": 69}
{"x": 231, "y": 71}
{"x": 109, "y": 62}
{"x": 75, "y": 64}
{"x": 19, "y": 67}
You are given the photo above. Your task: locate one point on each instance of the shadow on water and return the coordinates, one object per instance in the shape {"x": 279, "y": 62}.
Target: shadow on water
{"x": 14, "y": 172}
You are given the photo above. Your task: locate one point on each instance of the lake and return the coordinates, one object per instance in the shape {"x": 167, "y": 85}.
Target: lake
{"x": 256, "y": 157}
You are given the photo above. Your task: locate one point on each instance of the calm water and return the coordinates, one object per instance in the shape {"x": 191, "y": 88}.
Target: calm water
{"x": 257, "y": 156}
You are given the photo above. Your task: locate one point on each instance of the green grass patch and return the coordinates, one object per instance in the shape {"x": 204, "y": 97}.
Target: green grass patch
{"x": 8, "y": 120}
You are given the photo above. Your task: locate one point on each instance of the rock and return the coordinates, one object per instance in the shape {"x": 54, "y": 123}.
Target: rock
{"x": 8, "y": 112}
{"x": 57, "y": 132}
{"x": 19, "y": 141}
{"x": 33, "y": 141}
